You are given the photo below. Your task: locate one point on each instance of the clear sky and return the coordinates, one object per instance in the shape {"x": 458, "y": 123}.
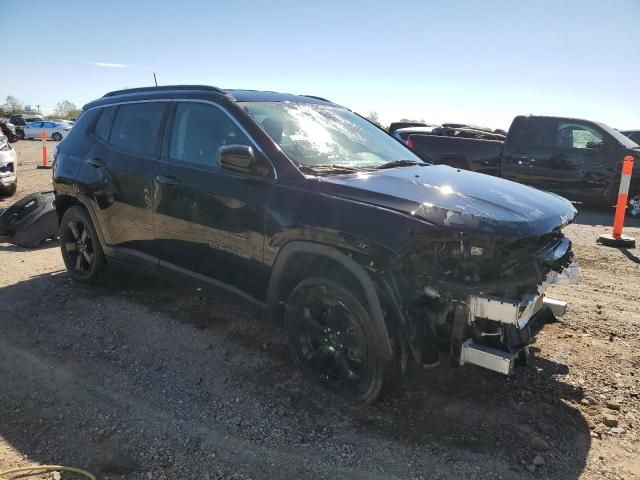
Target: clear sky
{"x": 481, "y": 62}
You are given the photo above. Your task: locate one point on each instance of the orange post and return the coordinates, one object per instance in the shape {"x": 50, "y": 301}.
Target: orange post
{"x": 616, "y": 239}
{"x": 623, "y": 196}
{"x": 45, "y": 162}
{"x": 44, "y": 148}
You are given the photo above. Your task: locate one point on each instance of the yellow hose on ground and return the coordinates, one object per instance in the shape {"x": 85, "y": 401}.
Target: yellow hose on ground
{"x": 49, "y": 468}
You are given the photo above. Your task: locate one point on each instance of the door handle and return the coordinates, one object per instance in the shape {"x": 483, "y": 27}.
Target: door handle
{"x": 96, "y": 162}
{"x": 169, "y": 181}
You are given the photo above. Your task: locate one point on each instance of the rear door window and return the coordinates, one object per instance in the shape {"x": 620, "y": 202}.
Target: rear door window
{"x": 35, "y": 125}
{"x": 199, "y": 130}
{"x": 136, "y": 127}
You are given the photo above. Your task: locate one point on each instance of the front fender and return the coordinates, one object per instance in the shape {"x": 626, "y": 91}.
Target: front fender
{"x": 288, "y": 253}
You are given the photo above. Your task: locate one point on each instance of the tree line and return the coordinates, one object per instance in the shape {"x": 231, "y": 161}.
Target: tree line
{"x": 374, "y": 118}
{"x": 13, "y": 105}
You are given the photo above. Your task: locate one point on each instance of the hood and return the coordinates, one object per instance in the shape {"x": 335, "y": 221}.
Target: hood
{"x": 457, "y": 199}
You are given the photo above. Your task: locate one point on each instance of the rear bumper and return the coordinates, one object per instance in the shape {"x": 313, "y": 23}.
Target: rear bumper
{"x": 516, "y": 323}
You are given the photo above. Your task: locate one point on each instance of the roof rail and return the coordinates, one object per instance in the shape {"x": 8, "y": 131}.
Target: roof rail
{"x": 318, "y": 98}
{"x": 163, "y": 87}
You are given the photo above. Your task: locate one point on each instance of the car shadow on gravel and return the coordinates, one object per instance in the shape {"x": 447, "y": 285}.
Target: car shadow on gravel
{"x": 214, "y": 372}
{"x": 15, "y": 248}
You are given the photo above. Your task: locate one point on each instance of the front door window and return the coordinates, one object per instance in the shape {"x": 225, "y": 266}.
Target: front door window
{"x": 199, "y": 130}
{"x": 575, "y": 135}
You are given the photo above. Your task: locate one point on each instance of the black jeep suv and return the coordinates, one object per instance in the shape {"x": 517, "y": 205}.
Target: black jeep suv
{"x": 369, "y": 254}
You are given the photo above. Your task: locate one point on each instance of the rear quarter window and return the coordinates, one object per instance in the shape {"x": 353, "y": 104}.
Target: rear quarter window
{"x": 103, "y": 126}
{"x": 79, "y": 140}
{"x": 136, "y": 127}
{"x": 533, "y": 132}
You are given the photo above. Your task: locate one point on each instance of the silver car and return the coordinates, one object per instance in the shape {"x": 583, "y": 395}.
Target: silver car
{"x": 53, "y": 130}
{"x": 8, "y": 167}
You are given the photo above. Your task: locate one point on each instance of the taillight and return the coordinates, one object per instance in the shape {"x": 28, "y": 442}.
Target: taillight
{"x": 410, "y": 142}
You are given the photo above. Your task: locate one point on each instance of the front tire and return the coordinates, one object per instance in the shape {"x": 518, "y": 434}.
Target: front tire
{"x": 57, "y": 136}
{"x": 332, "y": 341}
{"x": 80, "y": 246}
{"x": 9, "y": 190}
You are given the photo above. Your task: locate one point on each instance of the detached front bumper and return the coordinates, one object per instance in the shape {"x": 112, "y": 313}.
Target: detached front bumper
{"x": 516, "y": 323}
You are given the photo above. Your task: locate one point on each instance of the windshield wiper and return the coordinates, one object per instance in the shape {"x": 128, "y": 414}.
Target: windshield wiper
{"x": 329, "y": 167}
{"x": 398, "y": 163}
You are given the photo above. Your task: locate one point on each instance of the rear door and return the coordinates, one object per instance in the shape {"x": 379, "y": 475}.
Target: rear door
{"x": 535, "y": 154}
{"x": 127, "y": 150}
{"x": 49, "y": 128}
{"x": 209, "y": 220}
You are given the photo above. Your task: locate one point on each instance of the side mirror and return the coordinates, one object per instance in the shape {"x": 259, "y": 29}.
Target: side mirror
{"x": 597, "y": 145}
{"x": 241, "y": 158}
{"x": 236, "y": 157}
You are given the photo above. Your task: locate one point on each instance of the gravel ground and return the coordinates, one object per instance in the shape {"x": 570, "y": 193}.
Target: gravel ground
{"x": 139, "y": 378}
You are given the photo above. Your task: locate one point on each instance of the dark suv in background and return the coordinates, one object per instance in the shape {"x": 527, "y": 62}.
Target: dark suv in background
{"x": 21, "y": 120}
{"x": 304, "y": 207}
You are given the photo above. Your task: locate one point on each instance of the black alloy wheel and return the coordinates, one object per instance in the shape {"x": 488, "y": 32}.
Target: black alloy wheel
{"x": 80, "y": 246}
{"x": 332, "y": 342}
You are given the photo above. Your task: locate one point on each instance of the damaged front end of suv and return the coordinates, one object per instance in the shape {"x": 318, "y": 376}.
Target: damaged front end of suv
{"x": 469, "y": 269}
{"x": 481, "y": 297}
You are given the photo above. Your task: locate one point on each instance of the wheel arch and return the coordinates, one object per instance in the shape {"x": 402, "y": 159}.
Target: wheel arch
{"x": 64, "y": 202}
{"x": 300, "y": 259}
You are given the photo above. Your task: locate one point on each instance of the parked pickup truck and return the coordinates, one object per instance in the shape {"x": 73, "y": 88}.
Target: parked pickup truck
{"x": 579, "y": 159}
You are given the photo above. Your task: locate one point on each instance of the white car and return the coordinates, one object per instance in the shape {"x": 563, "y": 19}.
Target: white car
{"x": 8, "y": 167}
{"x": 54, "y": 130}
{"x": 402, "y": 134}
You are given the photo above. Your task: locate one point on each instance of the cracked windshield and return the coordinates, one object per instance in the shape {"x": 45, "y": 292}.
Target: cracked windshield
{"x": 320, "y": 136}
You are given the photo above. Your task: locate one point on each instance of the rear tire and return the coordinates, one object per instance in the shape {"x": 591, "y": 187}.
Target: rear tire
{"x": 332, "y": 341}
{"x": 80, "y": 246}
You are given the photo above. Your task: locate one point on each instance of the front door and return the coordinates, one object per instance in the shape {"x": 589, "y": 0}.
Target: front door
{"x": 596, "y": 155}
{"x": 209, "y": 220}
{"x": 33, "y": 130}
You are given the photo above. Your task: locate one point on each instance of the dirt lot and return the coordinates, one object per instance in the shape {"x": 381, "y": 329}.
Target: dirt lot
{"x": 142, "y": 379}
